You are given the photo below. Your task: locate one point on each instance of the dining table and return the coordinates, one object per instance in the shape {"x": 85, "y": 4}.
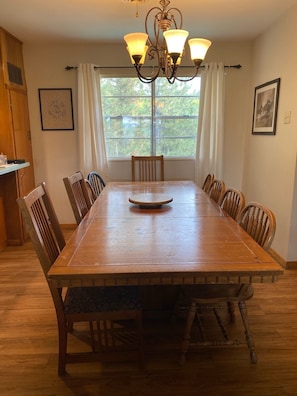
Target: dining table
{"x": 160, "y": 233}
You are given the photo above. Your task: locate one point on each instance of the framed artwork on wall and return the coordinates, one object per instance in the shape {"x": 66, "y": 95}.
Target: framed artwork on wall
{"x": 265, "y": 108}
{"x": 56, "y": 109}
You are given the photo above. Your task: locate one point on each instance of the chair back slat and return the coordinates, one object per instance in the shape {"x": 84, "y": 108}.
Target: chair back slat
{"x": 233, "y": 202}
{"x": 148, "y": 168}
{"x": 97, "y": 182}
{"x": 78, "y": 195}
{"x": 216, "y": 190}
{"x": 259, "y": 222}
{"x": 91, "y": 192}
{"x": 42, "y": 225}
{"x": 207, "y": 182}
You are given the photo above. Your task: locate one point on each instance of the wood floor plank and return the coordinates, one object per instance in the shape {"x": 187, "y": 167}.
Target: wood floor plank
{"x": 28, "y": 346}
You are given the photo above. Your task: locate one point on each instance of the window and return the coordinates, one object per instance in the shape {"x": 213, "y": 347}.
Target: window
{"x": 150, "y": 119}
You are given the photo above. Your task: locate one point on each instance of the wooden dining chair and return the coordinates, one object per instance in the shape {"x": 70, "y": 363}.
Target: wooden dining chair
{"x": 207, "y": 182}
{"x": 109, "y": 307}
{"x": 78, "y": 195}
{"x": 259, "y": 223}
{"x": 96, "y": 181}
{"x": 232, "y": 202}
{"x": 216, "y": 190}
{"x": 147, "y": 168}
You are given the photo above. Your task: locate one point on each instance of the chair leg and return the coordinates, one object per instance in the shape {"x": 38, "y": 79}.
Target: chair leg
{"x": 63, "y": 336}
{"x": 248, "y": 334}
{"x": 220, "y": 323}
{"x": 70, "y": 326}
{"x": 231, "y": 311}
{"x": 198, "y": 316}
{"x": 139, "y": 332}
{"x": 92, "y": 336}
{"x": 187, "y": 335}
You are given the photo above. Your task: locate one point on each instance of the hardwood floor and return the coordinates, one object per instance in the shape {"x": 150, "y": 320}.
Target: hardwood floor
{"x": 28, "y": 346}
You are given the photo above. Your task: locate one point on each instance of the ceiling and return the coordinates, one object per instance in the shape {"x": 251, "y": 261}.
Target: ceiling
{"x": 109, "y": 20}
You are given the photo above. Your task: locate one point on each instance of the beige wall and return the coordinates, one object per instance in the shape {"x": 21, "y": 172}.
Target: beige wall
{"x": 270, "y": 167}
{"x": 55, "y": 152}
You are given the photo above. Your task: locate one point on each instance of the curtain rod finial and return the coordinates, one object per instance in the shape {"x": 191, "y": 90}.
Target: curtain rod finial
{"x": 69, "y": 67}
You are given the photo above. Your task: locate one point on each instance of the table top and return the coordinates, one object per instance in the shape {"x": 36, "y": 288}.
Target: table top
{"x": 189, "y": 240}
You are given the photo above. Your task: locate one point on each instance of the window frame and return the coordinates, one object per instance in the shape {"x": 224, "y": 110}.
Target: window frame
{"x": 154, "y": 118}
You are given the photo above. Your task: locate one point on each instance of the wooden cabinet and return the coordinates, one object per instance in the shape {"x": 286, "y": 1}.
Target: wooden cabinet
{"x": 15, "y": 134}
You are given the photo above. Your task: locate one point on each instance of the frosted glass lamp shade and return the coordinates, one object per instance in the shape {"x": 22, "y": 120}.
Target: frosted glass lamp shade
{"x": 136, "y": 43}
{"x": 199, "y": 47}
{"x": 175, "y": 40}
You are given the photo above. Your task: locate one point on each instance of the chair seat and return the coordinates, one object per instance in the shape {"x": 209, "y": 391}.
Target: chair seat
{"x": 217, "y": 293}
{"x": 101, "y": 299}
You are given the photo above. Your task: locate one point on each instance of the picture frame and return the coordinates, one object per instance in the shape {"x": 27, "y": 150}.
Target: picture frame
{"x": 56, "y": 109}
{"x": 265, "y": 108}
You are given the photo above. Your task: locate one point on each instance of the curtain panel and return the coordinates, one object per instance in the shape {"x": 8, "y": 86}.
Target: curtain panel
{"x": 92, "y": 150}
{"x": 210, "y": 134}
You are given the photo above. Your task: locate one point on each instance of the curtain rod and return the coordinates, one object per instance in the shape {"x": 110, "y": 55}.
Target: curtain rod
{"x": 130, "y": 67}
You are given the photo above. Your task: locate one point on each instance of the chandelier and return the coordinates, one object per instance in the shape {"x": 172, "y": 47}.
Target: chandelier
{"x": 164, "y": 44}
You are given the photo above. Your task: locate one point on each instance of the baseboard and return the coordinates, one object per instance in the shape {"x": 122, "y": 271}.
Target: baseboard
{"x": 292, "y": 265}
{"x": 286, "y": 264}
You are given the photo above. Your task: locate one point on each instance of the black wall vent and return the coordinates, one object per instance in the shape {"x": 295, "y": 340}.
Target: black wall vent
{"x": 14, "y": 74}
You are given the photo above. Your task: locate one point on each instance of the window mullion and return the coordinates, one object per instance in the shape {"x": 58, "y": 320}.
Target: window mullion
{"x": 153, "y": 126}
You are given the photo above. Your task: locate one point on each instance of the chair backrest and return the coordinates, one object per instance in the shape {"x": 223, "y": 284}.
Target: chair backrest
{"x": 207, "y": 182}
{"x": 96, "y": 182}
{"x": 216, "y": 190}
{"x": 42, "y": 225}
{"x": 259, "y": 222}
{"x": 147, "y": 168}
{"x": 78, "y": 195}
{"x": 233, "y": 202}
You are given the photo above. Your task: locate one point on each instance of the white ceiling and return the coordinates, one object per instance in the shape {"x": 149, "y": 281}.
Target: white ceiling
{"x": 109, "y": 20}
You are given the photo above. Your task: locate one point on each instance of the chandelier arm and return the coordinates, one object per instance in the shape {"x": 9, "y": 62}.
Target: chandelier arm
{"x": 144, "y": 79}
{"x": 146, "y": 21}
{"x": 168, "y": 69}
{"x": 190, "y": 78}
{"x": 180, "y": 26}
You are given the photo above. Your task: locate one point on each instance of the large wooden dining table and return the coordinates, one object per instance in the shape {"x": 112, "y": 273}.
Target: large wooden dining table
{"x": 189, "y": 240}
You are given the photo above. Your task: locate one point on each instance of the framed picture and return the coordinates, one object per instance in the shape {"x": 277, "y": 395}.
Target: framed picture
{"x": 56, "y": 109}
{"x": 265, "y": 108}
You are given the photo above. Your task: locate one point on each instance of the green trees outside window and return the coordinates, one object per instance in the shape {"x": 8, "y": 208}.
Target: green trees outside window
{"x": 150, "y": 119}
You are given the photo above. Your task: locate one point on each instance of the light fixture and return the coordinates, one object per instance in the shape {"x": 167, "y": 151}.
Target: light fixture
{"x": 166, "y": 48}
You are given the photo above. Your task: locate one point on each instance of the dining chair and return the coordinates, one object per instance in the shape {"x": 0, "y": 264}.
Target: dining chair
{"x": 216, "y": 190}
{"x": 207, "y": 182}
{"x": 96, "y": 181}
{"x": 78, "y": 195}
{"x": 232, "y": 202}
{"x": 259, "y": 223}
{"x": 109, "y": 307}
{"x": 147, "y": 168}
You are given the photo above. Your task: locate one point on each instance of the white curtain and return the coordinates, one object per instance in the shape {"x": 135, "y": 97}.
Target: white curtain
{"x": 92, "y": 150}
{"x": 210, "y": 134}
